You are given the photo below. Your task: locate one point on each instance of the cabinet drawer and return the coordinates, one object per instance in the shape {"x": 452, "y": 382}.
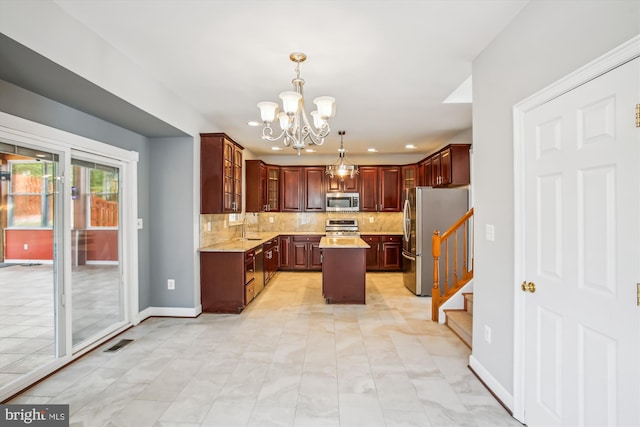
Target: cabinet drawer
{"x": 391, "y": 239}
{"x": 249, "y": 292}
{"x": 370, "y": 239}
{"x": 249, "y": 255}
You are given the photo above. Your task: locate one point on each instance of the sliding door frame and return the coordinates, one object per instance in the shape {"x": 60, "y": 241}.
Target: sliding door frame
{"x": 66, "y": 145}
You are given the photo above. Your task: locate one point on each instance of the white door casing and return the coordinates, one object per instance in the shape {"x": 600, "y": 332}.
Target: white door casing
{"x": 577, "y": 339}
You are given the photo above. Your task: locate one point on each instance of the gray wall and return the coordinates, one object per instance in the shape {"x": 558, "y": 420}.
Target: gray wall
{"x": 171, "y": 221}
{"x": 165, "y": 192}
{"x": 546, "y": 41}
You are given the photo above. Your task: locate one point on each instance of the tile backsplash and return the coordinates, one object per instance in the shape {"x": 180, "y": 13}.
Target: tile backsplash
{"x": 217, "y": 228}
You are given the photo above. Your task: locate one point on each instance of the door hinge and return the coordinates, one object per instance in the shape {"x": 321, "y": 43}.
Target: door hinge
{"x": 638, "y": 115}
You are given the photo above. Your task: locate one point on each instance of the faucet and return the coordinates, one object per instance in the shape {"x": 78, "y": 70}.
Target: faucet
{"x": 244, "y": 223}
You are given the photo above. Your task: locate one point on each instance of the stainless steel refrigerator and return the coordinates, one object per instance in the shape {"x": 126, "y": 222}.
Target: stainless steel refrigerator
{"x": 427, "y": 209}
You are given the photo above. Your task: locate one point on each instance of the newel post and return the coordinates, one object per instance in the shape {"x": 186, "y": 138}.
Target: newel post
{"x": 435, "y": 289}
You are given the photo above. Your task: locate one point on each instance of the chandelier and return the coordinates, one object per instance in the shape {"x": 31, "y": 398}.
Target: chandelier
{"x": 341, "y": 167}
{"x": 295, "y": 125}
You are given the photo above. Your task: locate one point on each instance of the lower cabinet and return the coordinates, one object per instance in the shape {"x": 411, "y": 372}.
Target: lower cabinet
{"x": 228, "y": 280}
{"x": 271, "y": 250}
{"x": 284, "y": 252}
{"x": 305, "y": 253}
{"x": 385, "y": 252}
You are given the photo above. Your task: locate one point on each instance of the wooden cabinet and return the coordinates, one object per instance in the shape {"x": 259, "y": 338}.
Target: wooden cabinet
{"x": 220, "y": 174}
{"x": 291, "y": 188}
{"x": 390, "y": 193}
{"x": 273, "y": 188}
{"x": 425, "y": 172}
{"x": 369, "y": 189}
{"x": 302, "y": 189}
{"x": 343, "y": 276}
{"x": 372, "y": 254}
{"x": 385, "y": 252}
{"x": 270, "y": 259}
{"x": 391, "y": 252}
{"x": 284, "y": 252}
{"x": 346, "y": 185}
{"x": 262, "y": 184}
{"x": 305, "y": 253}
{"x": 451, "y": 166}
{"x": 409, "y": 176}
{"x": 380, "y": 188}
{"x": 314, "y": 189}
{"x": 226, "y": 282}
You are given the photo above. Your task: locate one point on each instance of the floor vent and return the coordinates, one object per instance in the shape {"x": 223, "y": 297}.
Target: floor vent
{"x": 118, "y": 346}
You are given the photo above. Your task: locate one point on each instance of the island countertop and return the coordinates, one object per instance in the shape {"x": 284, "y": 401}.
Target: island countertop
{"x": 342, "y": 242}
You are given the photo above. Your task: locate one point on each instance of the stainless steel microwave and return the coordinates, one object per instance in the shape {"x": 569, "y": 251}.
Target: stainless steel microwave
{"x": 343, "y": 202}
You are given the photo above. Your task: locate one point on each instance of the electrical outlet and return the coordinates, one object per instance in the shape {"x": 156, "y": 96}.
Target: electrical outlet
{"x": 140, "y": 224}
{"x": 171, "y": 284}
{"x": 487, "y": 334}
{"x": 26, "y": 246}
{"x": 371, "y": 219}
{"x": 271, "y": 219}
{"x": 208, "y": 225}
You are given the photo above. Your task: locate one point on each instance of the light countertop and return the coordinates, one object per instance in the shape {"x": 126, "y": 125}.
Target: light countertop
{"x": 343, "y": 242}
{"x": 254, "y": 240}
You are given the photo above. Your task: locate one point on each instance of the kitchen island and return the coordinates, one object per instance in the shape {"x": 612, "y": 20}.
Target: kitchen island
{"x": 344, "y": 269}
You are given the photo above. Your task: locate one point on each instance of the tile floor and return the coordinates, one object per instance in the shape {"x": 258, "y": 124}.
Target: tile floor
{"x": 288, "y": 360}
{"x": 27, "y": 312}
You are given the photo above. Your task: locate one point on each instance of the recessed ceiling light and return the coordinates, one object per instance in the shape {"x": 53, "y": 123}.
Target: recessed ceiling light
{"x": 410, "y": 146}
{"x": 276, "y": 148}
{"x": 372, "y": 150}
{"x": 253, "y": 123}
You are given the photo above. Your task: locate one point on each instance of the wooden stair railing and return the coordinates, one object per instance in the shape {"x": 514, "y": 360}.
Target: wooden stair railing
{"x": 451, "y": 285}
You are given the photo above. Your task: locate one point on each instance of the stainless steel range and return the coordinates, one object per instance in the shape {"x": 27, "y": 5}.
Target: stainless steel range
{"x": 341, "y": 227}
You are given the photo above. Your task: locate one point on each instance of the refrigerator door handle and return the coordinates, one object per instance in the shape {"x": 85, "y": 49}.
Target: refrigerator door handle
{"x": 407, "y": 256}
{"x": 406, "y": 223}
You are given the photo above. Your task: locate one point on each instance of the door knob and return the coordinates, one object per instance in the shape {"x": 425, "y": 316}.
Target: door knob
{"x": 531, "y": 287}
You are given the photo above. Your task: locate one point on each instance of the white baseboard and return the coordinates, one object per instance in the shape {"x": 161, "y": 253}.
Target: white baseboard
{"x": 501, "y": 393}
{"x": 169, "y": 312}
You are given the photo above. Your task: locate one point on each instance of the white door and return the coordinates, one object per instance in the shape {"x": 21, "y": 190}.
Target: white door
{"x": 582, "y": 254}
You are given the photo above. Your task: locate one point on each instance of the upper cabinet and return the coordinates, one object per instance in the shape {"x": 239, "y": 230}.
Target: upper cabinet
{"x": 380, "y": 188}
{"x": 220, "y": 174}
{"x": 314, "y": 189}
{"x": 346, "y": 185}
{"x": 409, "y": 176}
{"x": 291, "y": 188}
{"x": 368, "y": 188}
{"x": 450, "y": 166}
{"x": 262, "y": 187}
{"x": 302, "y": 188}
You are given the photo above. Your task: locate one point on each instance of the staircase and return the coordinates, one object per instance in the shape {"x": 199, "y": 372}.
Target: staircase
{"x": 461, "y": 321}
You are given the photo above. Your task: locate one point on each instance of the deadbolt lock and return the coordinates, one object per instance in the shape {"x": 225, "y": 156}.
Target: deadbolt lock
{"x": 531, "y": 287}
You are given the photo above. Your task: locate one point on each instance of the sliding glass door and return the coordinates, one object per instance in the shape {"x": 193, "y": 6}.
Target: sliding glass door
{"x": 97, "y": 303}
{"x": 68, "y": 248}
{"x": 32, "y": 319}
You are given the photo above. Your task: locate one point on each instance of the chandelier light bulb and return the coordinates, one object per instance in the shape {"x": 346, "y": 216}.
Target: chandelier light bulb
{"x": 324, "y": 105}
{"x": 268, "y": 111}
{"x": 290, "y": 101}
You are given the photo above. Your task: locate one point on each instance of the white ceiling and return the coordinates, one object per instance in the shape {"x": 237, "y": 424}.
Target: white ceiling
{"x": 390, "y": 64}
